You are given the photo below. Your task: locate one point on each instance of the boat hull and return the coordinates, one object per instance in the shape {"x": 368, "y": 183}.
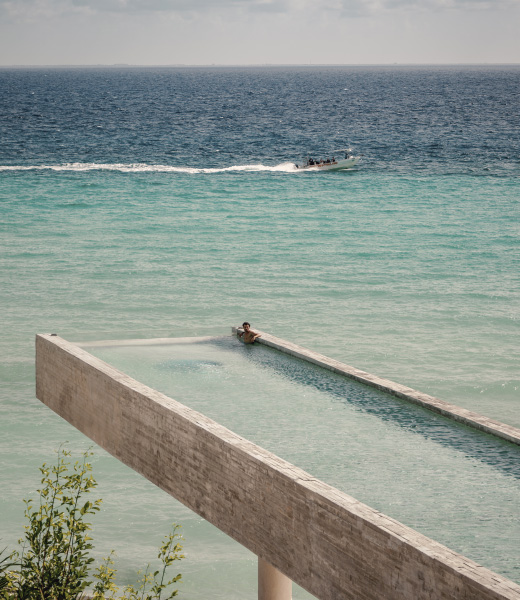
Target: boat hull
{"x": 339, "y": 165}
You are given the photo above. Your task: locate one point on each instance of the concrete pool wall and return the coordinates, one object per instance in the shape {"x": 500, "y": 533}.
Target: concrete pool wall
{"x": 321, "y": 538}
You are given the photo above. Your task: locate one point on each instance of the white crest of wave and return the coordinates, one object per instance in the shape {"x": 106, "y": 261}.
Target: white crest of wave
{"x": 286, "y": 167}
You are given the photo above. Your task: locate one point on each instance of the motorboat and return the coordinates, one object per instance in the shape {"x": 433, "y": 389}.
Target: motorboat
{"x": 330, "y": 164}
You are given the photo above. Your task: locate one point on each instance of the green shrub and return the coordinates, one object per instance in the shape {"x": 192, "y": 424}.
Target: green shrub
{"x": 54, "y": 560}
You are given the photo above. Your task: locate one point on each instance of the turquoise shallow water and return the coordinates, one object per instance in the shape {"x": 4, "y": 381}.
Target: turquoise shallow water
{"x": 412, "y": 278}
{"x": 415, "y": 279}
{"x": 407, "y": 267}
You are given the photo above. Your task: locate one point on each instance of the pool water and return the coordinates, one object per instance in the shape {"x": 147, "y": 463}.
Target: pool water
{"x": 454, "y": 484}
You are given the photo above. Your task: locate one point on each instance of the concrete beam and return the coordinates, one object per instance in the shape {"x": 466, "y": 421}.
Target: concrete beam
{"x": 326, "y": 541}
{"x": 451, "y": 411}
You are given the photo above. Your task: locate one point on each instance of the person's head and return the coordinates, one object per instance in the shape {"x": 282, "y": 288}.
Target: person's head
{"x": 246, "y": 326}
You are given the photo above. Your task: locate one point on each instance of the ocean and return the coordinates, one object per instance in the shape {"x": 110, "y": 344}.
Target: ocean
{"x": 164, "y": 202}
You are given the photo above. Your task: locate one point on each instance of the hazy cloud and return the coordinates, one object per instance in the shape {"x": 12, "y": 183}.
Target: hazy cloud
{"x": 156, "y": 32}
{"x": 51, "y": 8}
{"x": 373, "y": 6}
{"x": 35, "y": 9}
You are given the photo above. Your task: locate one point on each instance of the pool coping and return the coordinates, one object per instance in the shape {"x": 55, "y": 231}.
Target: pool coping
{"x": 135, "y": 342}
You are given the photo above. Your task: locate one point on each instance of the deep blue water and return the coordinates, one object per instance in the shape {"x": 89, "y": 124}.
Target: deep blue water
{"x": 414, "y": 119}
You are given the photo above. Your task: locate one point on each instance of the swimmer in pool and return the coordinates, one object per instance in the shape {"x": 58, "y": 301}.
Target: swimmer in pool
{"x": 248, "y": 335}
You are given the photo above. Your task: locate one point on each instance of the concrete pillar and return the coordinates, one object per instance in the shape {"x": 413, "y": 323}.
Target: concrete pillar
{"x": 272, "y": 585}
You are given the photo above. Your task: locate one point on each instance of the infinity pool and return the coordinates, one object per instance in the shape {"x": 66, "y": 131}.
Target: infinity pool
{"x": 452, "y": 483}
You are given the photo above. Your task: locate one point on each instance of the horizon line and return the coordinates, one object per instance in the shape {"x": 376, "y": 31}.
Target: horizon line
{"x": 258, "y": 65}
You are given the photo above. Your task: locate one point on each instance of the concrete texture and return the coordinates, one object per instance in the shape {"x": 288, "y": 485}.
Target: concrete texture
{"x": 326, "y": 541}
{"x": 467, "y": 417}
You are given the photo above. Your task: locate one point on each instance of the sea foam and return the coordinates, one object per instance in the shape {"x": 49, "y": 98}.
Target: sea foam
{"x": 286, "y": 167}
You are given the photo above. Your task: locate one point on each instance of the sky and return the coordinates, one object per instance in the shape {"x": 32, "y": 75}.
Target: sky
{"x": 258, "y": 32}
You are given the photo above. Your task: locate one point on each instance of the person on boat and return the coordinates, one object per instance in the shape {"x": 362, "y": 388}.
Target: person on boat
{"x": 248, "y": 335}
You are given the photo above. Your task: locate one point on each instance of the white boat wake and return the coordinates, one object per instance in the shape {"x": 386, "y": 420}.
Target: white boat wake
{"x": 286, "y": 167}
